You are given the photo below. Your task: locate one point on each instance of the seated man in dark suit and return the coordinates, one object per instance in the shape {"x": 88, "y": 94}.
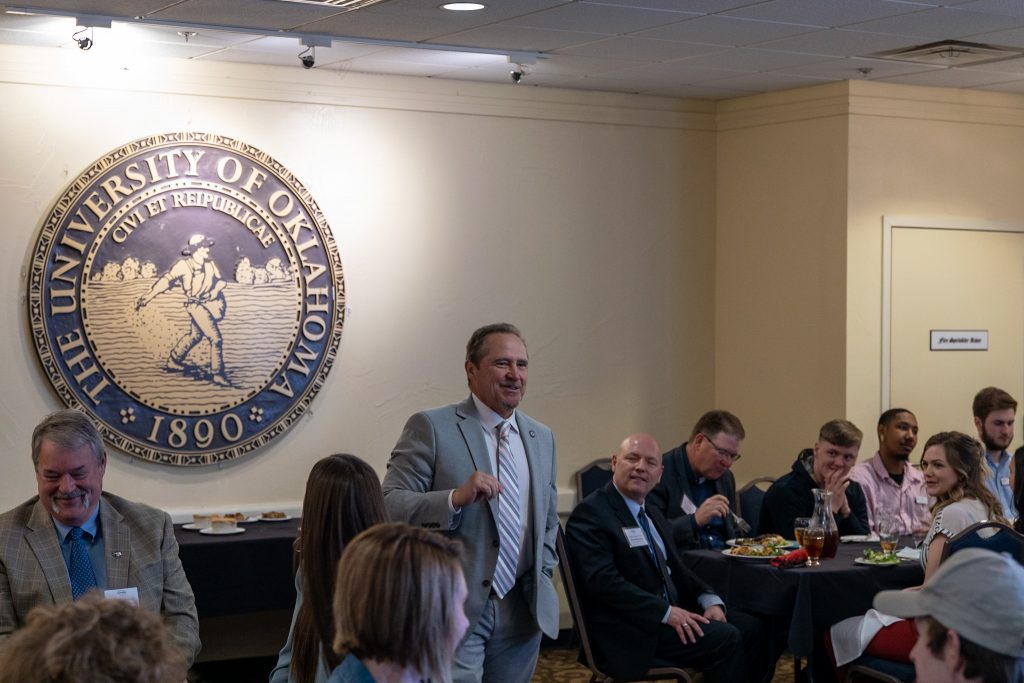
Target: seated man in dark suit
{"x": 698, "y": 490}
{"x": 826, "y": 466}
{"x": 644, "y": 607}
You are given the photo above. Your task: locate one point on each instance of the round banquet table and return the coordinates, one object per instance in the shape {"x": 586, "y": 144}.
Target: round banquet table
{"x": 809, "y": 598}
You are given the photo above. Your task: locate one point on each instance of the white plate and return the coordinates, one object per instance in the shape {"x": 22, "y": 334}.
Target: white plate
{"x": 788, "y": 545}
{"x": 274, "y": 519}
{"x": 749, "y": 558}
{"x": 864, "y": 560}
{"x": 226, "y": 532}
{"x": 859, "y": 539}
{"x": 191, "y": 526}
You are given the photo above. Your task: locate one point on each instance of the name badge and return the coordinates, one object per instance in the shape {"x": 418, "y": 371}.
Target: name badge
{"x": 1005, "y": 481}
{"x": 687, "y": 505}
{"x": 130, "y": 594}
{"x": 635, "y": 536}
{"x": 921, "y": 500}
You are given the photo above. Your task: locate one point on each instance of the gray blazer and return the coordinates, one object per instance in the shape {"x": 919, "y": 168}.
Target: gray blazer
{"x": 141, "y": 552}
{"x": 438, "y": 450}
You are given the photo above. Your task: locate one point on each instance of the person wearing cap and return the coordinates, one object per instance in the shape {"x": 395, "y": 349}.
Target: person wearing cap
{"x": 969, "y": 619}
{"x": 200, "y": 281}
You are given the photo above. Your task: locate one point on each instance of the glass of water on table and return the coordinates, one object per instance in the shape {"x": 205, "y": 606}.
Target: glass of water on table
{"x": 888, "y": 532}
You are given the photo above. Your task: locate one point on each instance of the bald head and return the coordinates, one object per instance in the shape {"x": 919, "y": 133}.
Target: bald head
{"x": 636, "y": 467}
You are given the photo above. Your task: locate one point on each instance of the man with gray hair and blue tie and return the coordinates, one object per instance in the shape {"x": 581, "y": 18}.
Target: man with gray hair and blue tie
{"x": 483, "y": 472}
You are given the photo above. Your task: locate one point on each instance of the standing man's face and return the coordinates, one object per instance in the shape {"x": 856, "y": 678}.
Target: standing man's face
{"x": 70, "y": 481}
{"x": 499, "y": 381}
{"x": 996, "y": 431}
{"x": 899, "y": 437}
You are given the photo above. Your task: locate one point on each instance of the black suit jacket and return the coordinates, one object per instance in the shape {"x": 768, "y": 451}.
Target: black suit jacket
{"x": 667, "y": 496}
{"x": 621, "y": 587}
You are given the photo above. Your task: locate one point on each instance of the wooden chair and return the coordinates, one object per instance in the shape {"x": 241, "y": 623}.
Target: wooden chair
{"x": 579, "y": 619}
{"x": 990, "y": 536}
{"x": 749, "y": 498}
{"x": 592, "y": 477}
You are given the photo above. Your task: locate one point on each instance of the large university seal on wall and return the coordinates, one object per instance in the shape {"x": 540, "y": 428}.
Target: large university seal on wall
{"x": 187, "y": 292}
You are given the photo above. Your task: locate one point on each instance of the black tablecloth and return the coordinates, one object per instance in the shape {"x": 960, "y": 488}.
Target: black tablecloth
{"x": 815, "y": 597}
{"x": 241, "y": 573}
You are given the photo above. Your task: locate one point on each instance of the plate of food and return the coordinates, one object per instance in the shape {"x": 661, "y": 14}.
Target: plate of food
{"x": 274, "y": 516}
{"x": 877, "y": 558}
{"x": 754, "y": 553}
{"x": 766, "y": 540}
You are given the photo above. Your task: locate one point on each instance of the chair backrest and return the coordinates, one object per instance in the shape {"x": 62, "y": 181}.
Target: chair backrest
{"x": 989, "y": 535}
{"x": 749, "y": 498}
{"x": 592, "y": 477}
{"x": 575, "y": 605}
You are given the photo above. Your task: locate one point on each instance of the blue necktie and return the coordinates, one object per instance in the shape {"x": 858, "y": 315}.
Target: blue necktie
{"x": 659, "y": 560}
{"x": 79, "y": 567}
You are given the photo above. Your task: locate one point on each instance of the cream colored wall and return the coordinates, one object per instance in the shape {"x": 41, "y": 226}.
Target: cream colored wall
{"x": 587, "y": 219}
{"x": 781, "y": 271}
{"x": 923, "y": 152}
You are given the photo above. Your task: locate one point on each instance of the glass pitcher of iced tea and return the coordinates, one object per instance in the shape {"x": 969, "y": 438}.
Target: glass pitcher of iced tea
{"x": 822, "y": 516}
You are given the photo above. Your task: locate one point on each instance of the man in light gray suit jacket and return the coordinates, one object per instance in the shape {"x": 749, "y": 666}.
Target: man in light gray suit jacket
{"x": 126, "y": 545}
{"x": 453, "y": 469}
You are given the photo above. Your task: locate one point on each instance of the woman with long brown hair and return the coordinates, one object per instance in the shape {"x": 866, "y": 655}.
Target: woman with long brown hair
{"x": 954, "y": 477}
{"x": 342, "y": 499}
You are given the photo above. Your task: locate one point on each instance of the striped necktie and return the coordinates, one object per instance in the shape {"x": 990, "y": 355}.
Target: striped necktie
{"x": 509, "y": 515}
{"x": 79, "y": 566}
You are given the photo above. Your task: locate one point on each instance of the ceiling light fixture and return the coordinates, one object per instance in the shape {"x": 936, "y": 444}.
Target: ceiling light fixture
{"x": 187, "y": 34}
{"x": 463, "y": 6}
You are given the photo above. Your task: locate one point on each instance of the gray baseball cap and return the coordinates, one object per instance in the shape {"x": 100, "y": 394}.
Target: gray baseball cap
{"x": 977, "y": 593}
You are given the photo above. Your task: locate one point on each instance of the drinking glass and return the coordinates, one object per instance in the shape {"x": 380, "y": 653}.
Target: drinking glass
{"x": 814, "y": 544}
{"x": 800, "y": 525}
{"x": 888, "y": 533}
{"x": 919, "y": 532}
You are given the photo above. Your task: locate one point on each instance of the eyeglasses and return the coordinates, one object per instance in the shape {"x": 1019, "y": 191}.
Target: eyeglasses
{"x": 722, "y": 453}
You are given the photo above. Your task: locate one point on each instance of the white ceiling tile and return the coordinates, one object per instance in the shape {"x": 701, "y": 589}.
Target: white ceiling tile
{"x": 595, "y": 18}
{"x": 383, "y": 26}
{"x": 832, "y": 13}
{"x": 950, "y": 78}
{"x": 643, "y": 49}
{"x": 1015, "y": 87}
{"x": 701, "y": 91}
{"x": 719, "y": 30}
{"x": 1007, "y": 66}
{"x": 1013, "y": 37}
{"x": 841, "y": 43}
{"x": 673, "y": 72}
{"x": 753, "y": 59}
{"x": 1013, "y": 8}
{"x": 262, "y": 14}
{"x": 518, "y": 38}
{"x": 765, "y": 81}
{"x": 699, "y": 6}
{"x": 938, "y": 23}
{"x": 444, "y": 58}
{"x": 849, "y": 69}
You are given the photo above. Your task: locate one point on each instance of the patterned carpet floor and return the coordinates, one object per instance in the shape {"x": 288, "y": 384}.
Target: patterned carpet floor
{"x": 559, "y": 665}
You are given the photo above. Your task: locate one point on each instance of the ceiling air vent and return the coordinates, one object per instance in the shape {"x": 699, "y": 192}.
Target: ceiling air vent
{"x": 951, "y": 53}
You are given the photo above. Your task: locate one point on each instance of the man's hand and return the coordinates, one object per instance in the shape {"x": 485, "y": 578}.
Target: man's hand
{"x": 686, "y": 624}
{"x": 837, "y": 483}
{"x": 715, "y": 613}
{"x": 479, "y": 486}
{"x": 715, "y": 506}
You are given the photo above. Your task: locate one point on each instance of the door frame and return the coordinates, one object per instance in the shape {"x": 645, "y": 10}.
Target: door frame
{"x": 891, "y": 223}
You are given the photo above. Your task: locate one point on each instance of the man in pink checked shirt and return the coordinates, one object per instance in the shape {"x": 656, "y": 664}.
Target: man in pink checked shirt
{"x": 889, "y": 481}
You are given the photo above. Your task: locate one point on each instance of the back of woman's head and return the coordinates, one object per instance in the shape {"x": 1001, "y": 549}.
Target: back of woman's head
{"x": 396, "y": 599}
{"x": 343, "y": 497}
{"x": 93, "y": 640}
{"x": 965, "y": 456}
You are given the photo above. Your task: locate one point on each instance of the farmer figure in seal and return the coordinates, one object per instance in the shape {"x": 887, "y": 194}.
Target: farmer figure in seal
{"x": 200, "y": 280}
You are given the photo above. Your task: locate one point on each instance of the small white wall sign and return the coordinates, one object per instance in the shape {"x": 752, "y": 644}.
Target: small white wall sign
{"x": 959, "y": 340}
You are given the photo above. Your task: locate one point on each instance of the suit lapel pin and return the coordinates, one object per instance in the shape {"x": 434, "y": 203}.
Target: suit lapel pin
{"x": 117, "y": 553}
{"x": 533, "y": 433}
